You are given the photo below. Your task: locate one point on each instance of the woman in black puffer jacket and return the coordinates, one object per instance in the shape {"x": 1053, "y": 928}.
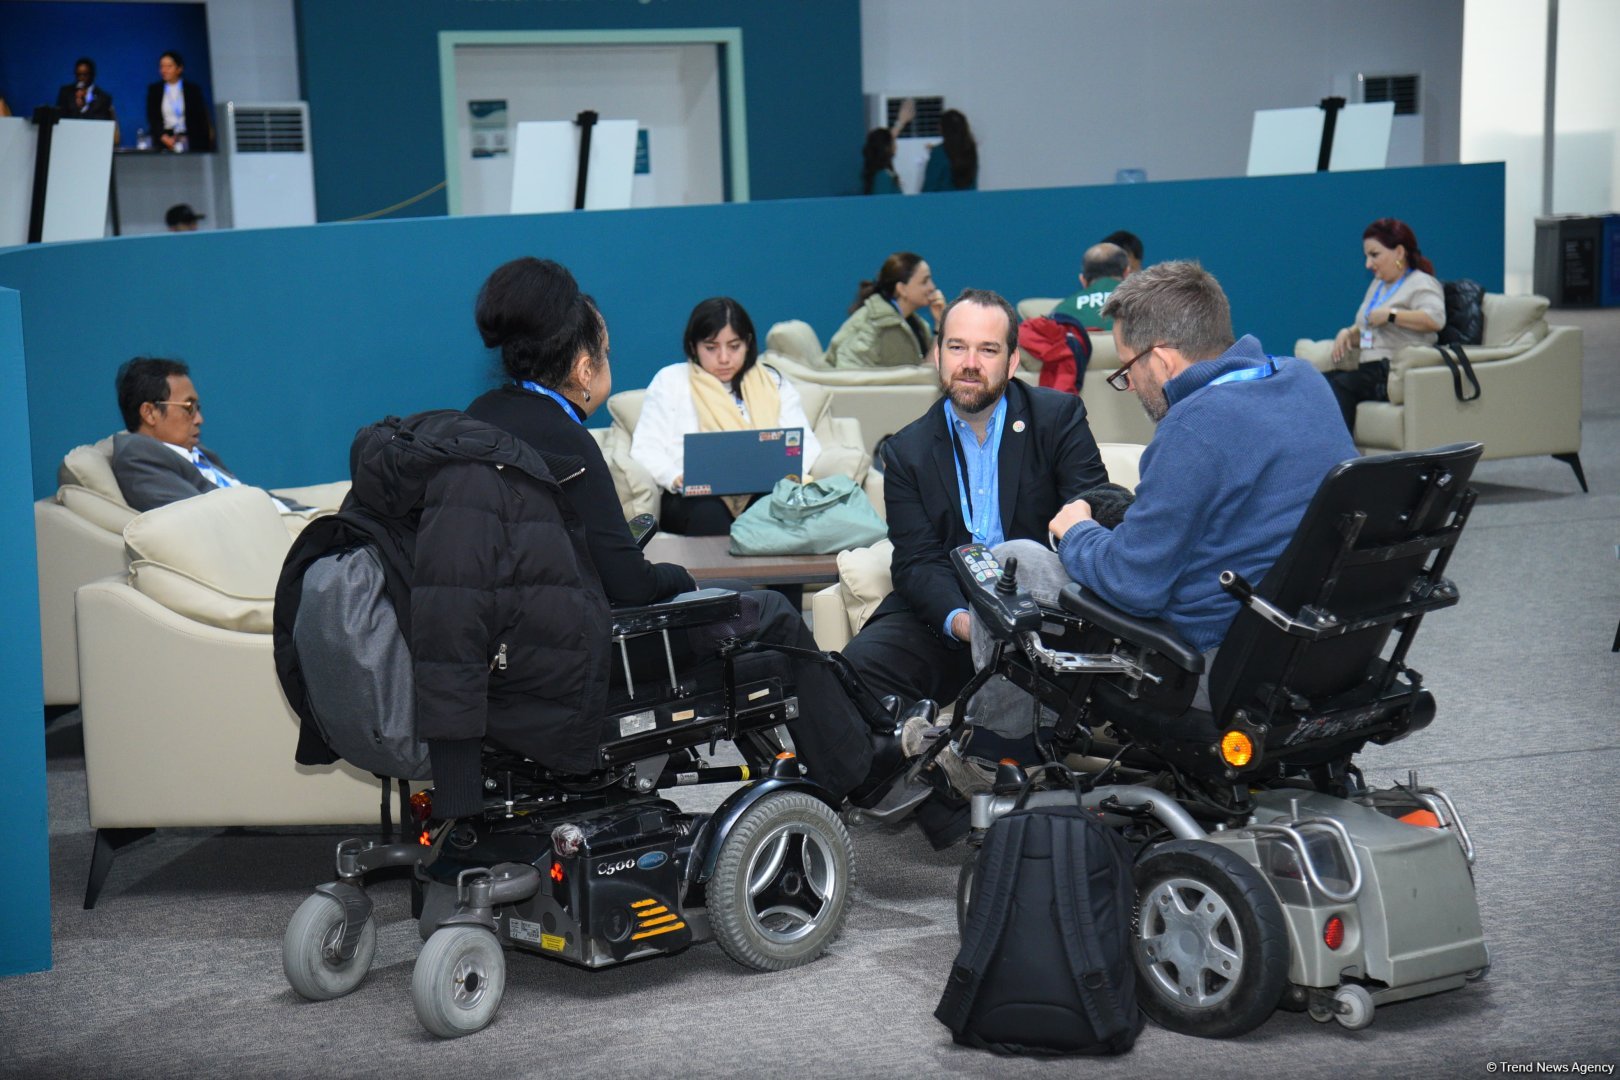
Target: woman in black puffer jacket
{"x": 554, "y": 351}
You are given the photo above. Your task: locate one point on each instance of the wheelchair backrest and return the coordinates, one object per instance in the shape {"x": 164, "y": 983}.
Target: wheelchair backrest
{"x": 1367, "y": 555}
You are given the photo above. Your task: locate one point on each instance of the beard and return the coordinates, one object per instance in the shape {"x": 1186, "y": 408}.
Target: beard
{"x": 1153, "y": 402}
{"x": 974, "y": 397}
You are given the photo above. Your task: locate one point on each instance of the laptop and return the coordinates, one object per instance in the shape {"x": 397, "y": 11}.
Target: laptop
{"x": 742, "y": 462}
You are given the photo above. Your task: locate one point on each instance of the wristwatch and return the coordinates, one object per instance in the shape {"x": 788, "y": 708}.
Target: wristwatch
{"x": 1392, "y": 318}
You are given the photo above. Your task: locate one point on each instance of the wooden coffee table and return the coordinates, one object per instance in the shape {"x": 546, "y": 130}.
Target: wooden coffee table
{"x": 709, "y": 558}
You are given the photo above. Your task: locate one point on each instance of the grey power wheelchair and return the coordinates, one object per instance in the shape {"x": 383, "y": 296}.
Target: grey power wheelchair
{"x": 1268, "y": 872}
{"x": 599, "y": 869}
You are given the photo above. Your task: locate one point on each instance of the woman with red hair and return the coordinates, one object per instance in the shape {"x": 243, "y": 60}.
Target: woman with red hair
{"x": 1404, "y": 306}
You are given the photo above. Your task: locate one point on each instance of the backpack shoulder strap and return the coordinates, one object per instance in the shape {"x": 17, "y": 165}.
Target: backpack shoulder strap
{"x": 989, "y": 913}
{"x": 1081, "y": 943}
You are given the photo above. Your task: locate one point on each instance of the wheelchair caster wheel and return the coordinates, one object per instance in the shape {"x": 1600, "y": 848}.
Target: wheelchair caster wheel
{"x": 1353, "y": 1006}
{"x": 309, "y": 950}
{"x": 1480, "y": 972}
{"x": 964, "y": 893}
{"x": 780, "y": 889}
{"x": 458, "y": 982}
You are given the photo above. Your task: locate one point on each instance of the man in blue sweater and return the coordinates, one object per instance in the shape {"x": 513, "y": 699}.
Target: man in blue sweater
{"x": 1243, "y": 441}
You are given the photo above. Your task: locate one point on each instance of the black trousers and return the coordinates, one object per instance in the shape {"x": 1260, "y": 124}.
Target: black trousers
{"x": 897, "y": 654}
{"x": 1369, "y": 382}
{"x": 828, "y": 733}
{"x": 695, "y": 515}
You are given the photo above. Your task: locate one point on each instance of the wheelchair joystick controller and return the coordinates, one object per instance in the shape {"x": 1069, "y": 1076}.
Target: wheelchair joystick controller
{"x": 993, "y": 592}
{"x": 1007, "y": 584}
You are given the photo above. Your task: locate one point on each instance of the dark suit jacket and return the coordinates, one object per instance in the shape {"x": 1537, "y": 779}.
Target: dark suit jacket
{"x": 151, "y": 475}
{"x": 1052, "y": 460}
{"x": 199, "y": 125}
{"x": 100, "y": 107}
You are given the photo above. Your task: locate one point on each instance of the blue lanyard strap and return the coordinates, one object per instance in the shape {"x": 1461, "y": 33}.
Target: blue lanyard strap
{"x": 1379, "y": 293}
{"x": 567, "y": 406}
{"x": 1263, "y": 371}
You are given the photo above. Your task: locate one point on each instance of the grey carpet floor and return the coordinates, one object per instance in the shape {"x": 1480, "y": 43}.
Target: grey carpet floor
{"x": 178, "y": 971}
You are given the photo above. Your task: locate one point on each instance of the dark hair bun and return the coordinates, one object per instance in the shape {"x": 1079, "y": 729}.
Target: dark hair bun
{"x": 534, "y": 312}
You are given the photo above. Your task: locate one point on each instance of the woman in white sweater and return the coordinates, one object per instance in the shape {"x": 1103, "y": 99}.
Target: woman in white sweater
{"x": 721, "y": 387}
{"x": 1404, "y": 305}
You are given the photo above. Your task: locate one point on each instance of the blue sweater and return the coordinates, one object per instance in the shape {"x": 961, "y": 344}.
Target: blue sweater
{"x": 1223, "y": 485}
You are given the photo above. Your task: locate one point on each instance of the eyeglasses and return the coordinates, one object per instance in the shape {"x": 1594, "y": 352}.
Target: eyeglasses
{"x": 192, "y": 407}
{"x": 1120, "y": 379}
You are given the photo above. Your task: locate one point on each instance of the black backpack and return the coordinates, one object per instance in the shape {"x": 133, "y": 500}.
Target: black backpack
{"x": 1045, "y": 965}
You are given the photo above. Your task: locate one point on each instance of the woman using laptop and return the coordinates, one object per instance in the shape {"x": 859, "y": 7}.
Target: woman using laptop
{"x": 721, "y": 387}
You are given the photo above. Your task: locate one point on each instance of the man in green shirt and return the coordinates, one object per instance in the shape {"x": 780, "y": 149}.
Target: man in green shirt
{"x": 1101, "y": 270}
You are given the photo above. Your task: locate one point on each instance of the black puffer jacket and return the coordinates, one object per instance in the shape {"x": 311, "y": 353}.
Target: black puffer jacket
{"x": 508, "y": 625}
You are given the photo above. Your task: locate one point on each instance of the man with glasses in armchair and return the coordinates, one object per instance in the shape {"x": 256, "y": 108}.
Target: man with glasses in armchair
{"x": 159, "y": 459}
{"x": 1242, "y": 442}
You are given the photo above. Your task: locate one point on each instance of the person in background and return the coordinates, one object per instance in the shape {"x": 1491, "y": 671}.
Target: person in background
{"x": 175, "y": 109}
{"x": 82, "y": 99}
{"x": 182, "y": 218}
{"x": 1131, "y": 243}
{"x": 1404, "y": 305}
{"x": 5, "y": 110}
{"x": 160, "y": 459}
{"x": 721, "y": 387}
{"x": 953, "y": 165}
{"x": 883, "y": 328}
{"x": 1102, "y": 268}
{"x": 877, "y": 173}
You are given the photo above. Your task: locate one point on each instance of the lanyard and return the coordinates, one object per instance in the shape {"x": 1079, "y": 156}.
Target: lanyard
{"x": 567, "y": 406}
{"x": 1264, "y": 371}
{"x": 1378, "y": 295}
{"x": 993, "y": 438}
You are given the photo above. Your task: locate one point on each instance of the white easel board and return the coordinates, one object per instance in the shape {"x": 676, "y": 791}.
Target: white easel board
{"x": 16, "y": 179}
{"x": 81, "y": 173}
{"x": 1285, "y": 141}
{"x": 1361, "y": 137}
{"x": 545, "y": 166}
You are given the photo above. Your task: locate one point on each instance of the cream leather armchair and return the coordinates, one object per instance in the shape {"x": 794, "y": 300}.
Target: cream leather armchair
{"x": 842, "y": 450}
{"x": 838, "y": 612}
{"x": 1530, "y": 390}
{"x": 184, "y": 720}
{"x": 1114, "y": 417}
{"x": 79, "y": 538}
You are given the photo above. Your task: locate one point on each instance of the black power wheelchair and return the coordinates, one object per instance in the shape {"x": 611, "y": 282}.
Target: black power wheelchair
{"x": 1268, "y": 873}
{"x": 599, "y": 870}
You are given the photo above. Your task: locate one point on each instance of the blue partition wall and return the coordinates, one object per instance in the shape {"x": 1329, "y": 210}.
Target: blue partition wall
{"x": 299, "y": 336}
{"x": 25, "y": 887}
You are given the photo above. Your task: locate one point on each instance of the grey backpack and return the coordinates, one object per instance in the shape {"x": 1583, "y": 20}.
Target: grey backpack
{"x": 357, "y": 666}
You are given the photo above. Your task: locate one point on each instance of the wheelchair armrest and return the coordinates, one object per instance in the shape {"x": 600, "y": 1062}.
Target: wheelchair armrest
{"x": 697, "y": 608}
{"x": 1155, "y": 634}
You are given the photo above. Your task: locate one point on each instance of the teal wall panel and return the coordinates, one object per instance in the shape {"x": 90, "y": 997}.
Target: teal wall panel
{"x": 370, "y": 73}
{"x": 299, "y": 336}
{"x": 25, "y": 886}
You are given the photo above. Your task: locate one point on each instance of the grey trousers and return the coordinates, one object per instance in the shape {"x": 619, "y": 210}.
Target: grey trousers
{"x": 1002, "y": 707}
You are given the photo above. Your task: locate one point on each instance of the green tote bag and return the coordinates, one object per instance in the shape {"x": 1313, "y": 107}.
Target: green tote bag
{"x": 818, "y": 518}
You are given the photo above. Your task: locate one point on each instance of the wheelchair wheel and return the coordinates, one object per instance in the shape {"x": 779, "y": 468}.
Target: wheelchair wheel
{"x": 780, "y": 889}
{"x": 1212, "y": 948}
{"x": 309, "y": 950}
{"x": 458, "y": 982}
{"x": 964, "y": 892}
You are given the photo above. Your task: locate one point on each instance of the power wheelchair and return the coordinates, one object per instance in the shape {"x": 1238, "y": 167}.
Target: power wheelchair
{"x": 1268, "y": 873}
{"x": 599, "y": 869}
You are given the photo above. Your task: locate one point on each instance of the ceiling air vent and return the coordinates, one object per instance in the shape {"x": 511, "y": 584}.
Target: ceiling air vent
{"x": 271, "y": 129}
{"x": 926, "y": 124}
{"x": 1401, "y": 89}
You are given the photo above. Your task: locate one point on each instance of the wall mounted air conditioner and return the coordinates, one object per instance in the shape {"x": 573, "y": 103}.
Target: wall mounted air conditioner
{"x": 922, "y": 134}
{"x": 270, "y": 171}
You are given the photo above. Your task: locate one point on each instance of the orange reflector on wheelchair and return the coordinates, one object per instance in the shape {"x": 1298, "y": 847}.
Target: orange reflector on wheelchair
{"x": 422, "y": 806}
{"x": 556, "y": 871}
{"x": 784, "y": 755}
{"x": 1333, "y": 932}
{"x": 1237, "y": 749}
{"x": 425, "y": 839}
{"x": 1425, "y": 818}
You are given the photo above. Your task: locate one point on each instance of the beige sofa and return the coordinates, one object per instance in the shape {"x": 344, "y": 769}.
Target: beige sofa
{"x": 1114, "y": 416}
{"x": 838, "y": 612}
{"x": 78, "y": 534}
{"x": 184, "y": 720}
{"x": 1530, "y": 390}
{"x": 843, "y": 451}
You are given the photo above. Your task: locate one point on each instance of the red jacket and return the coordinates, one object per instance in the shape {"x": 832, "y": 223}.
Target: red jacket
{"x": 1062, "y": 346}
